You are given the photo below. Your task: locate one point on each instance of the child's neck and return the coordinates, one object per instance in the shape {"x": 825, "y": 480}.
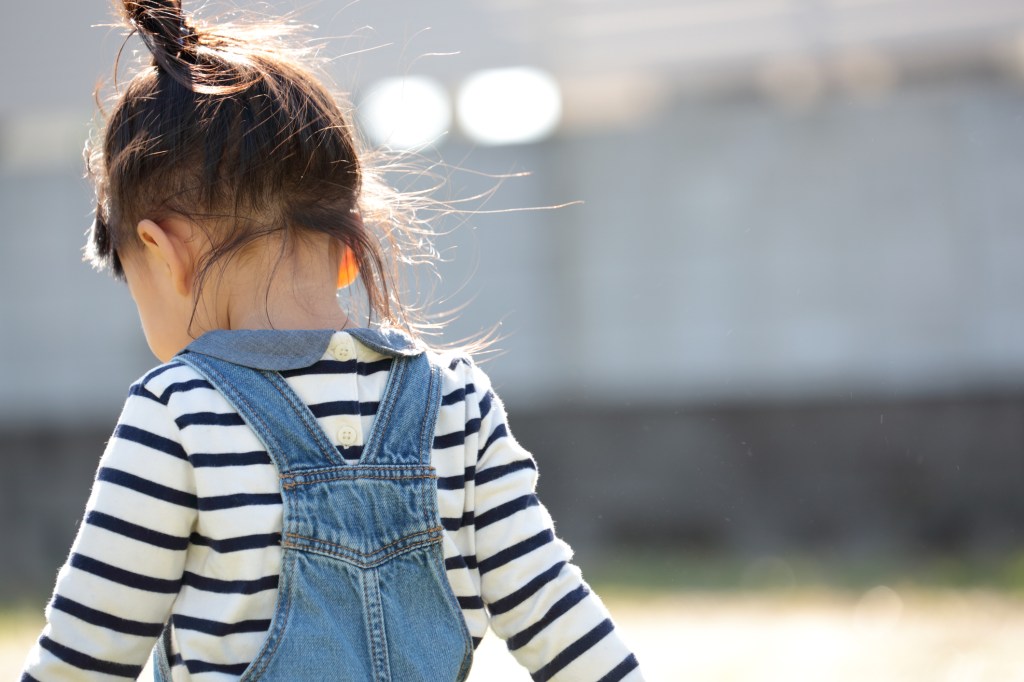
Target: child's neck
{"x": 262, "y": 291}
{"x": 309, "y": 315}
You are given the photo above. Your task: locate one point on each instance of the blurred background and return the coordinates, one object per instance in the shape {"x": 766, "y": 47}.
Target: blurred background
{"x": 770, "y": 358}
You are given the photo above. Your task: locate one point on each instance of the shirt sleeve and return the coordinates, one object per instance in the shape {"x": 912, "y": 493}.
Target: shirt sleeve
{"x": 125, "y": 568}
{"x": 552, "y": 622}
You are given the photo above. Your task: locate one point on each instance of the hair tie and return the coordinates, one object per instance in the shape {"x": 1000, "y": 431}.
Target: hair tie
{"x": 165, "y": 30}
{"x": 186, "y": 34}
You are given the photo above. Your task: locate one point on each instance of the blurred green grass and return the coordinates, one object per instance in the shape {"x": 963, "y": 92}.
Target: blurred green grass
{"x": 14, "y": 620}
{"x": 644, "y": 570}
{"x": 893, "y": 619}
{"x": 657, "y": 571}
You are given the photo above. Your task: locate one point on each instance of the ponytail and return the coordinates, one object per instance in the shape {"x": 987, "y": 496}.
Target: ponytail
{"x": 168, "y": 35}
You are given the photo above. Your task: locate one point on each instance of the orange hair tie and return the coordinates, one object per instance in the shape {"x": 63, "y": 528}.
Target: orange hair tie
{"x": 348, "y": 270}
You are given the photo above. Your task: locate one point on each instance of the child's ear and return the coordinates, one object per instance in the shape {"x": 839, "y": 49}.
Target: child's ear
{"x": 167, "y": 244}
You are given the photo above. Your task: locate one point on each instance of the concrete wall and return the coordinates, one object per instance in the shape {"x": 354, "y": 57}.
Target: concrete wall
{"x": 850, "y": 480}
{"x": 762, "y": 330}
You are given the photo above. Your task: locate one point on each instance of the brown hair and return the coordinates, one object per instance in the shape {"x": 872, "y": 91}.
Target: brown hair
{"x": 230, "y": 126}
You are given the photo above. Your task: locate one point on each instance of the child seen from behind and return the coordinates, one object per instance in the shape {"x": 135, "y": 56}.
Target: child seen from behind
{"x": 290, "y": 495}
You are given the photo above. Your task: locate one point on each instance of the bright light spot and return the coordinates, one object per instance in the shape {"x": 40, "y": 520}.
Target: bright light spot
{"x": 405, "y": 113}
{"x": 878, "y": 611}
{"x": 509, "y": 106}
{"x": 967, "y": 668}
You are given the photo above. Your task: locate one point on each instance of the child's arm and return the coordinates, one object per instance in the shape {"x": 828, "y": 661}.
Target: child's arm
{"x": 125, "y": 568}
{"x": 538, "y": 602}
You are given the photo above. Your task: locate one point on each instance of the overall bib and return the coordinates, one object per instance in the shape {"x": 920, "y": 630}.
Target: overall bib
{"x": 363, "y": 594}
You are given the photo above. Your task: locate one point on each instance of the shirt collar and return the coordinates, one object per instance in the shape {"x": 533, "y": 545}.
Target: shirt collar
{"x": 285, "y": 349}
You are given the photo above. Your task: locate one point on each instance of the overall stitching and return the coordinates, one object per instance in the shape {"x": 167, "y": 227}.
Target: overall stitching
{"x": 385, "y": 672}
{"x": 428, "y": 510}
{"x": 276, "y": 631}
{"x": 356, "y": 562}
{"x": 358, "y": 467}
{"x": 355, "y": 468}
{"x": 296, "y": 484}
{"x": 375, "y": 616}
{"x": 346, "y": 554}
{"x": 240, "y": 398}
{"x": 396, "y": 377}
{"x": 423, "y": 422}
{"x": 467, "y": 649}
{"x": 368, "y": 620}
{"x": 314, "y": 430}
{"x": 424, "y": 451}
{"x": 429, "y": 531}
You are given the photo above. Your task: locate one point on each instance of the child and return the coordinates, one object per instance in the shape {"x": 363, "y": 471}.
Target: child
{"x": 290, "y": 496}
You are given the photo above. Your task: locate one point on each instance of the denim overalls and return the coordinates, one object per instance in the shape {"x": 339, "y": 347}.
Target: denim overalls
{"x": 363, "y": 594}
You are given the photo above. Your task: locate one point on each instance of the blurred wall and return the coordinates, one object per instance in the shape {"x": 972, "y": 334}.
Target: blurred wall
{"x": 787, "y": 315}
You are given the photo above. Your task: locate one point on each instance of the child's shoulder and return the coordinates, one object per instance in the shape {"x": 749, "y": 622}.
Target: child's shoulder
{"x": 166, "y": 379}
{"x": 464, "y": 383}
{"x": 458, "y": 368}
{"x": 454, "y": 360}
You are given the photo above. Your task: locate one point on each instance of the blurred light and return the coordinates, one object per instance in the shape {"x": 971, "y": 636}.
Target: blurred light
{"x": 865, "y": 73}
{"x": 611, "y": 101}
{"x": 509, "y": 106}
{"x": 795, "y": 82}
{"x": 1016, "y": 56}
{"x": 878, "y": 611}
{"x": 967, "y": 667}
{"x": 405, "y": 113}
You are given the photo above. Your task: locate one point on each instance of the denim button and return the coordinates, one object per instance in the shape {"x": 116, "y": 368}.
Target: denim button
{"x": 347, "y": 435}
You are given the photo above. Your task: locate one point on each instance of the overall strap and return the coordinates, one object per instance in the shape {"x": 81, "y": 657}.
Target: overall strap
{"x": 403, "y": 430}
{"x": 281, "y": 420}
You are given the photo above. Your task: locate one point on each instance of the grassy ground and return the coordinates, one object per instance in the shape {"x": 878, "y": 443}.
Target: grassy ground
{"x": 18, "y": 630}
{"x": 774, "y": 620}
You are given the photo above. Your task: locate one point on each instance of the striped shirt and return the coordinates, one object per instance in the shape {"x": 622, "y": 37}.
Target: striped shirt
{"x": 184, "y": 525}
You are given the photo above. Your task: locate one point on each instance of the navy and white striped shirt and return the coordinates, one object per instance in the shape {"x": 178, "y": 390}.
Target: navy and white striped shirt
{"x": 184, "y": 524}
